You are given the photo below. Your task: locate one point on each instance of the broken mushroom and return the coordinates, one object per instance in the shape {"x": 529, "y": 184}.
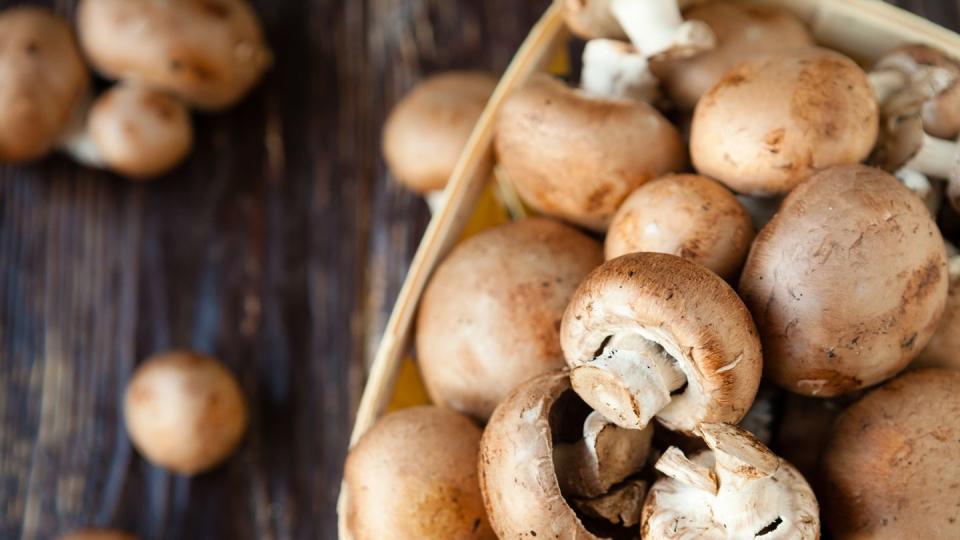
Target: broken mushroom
{"x": 737, "y": 489}
{"x": 490, "y": 316}
{"x": 43, "y": 81}
{"x": 686, "y": 215}
{"x": 943, "y": 350}
{"x": 414, "y": 475}
{"x": 847, "y": 283}
{"x": 775, "y": 120}
{"x": 184, "y": 411}
{"x": 577, "y": 157}
{"x": 652, "y": 335}
{"x": 890, "y": 468}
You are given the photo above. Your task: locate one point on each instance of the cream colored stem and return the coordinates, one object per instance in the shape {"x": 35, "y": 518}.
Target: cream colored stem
{"x": 936, "y": 158}
{"x": 886, "y": 83}
{"x": 676, "y": 465}
{"x": 614, "y": 69}
{"x": 656, "y": 27}
{"x": 606, "y": 455}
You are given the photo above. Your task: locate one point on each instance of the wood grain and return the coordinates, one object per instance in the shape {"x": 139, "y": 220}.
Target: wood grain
{"x": 278, "y": 247}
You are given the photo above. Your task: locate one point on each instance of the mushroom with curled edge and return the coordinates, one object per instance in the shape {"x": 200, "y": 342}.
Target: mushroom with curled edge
{"x": 531, "y": 455}
{"x": 890, "y": 470}
{"x": 737, "y": 489}
{"x": 944, "y": 347}
{"x": 490, "y": 316}
{"x": 847, "y": 283}
{"x": 742, "y": 31}
{"x": 775, "y": 120}
{"x": 615, "y": 69}
{"x": 577, "y": 157}
{"x": 929, "y": 71}
{"x": 687, "y": 215}
{"x": 653, "y": 335}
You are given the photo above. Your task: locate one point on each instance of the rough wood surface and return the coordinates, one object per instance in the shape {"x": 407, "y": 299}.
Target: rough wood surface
{"x": 277, "y": 247}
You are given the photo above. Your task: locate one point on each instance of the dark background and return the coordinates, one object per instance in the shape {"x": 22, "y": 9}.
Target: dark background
{"x": 278, "y": 247}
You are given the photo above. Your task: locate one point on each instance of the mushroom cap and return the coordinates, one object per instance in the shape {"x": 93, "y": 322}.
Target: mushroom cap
{"x": 97, "y": 534}
{"x": 208, "y": 53}
{"x": 687, "y": 310}
{"x": 184, "y": 411}
{"x": 428, "y": 129}
{"x": 742, "y": 31}
{"x": 686, "y": 215}
{"x": 941, "y": 111}
{"x": 414, "y": 475}
{"x": 517, "y": 475}
{"x": 890, "y": 468}
{"x": 577, "y": 157}
{"x": 43, "y": 79}
{"x": 592, "y": 19}
{"x": 139, "y": 132}
{"x": 775, "y": 120}
{"x": 847, "y": 283}
{"x": 943, "y": 350}
{"x": 490, "y": 316}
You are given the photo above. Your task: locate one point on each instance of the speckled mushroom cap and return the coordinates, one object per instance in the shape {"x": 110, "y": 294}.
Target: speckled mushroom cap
{"x": 97, "y": 534}
{"x": 490, "y": 316}
{"x": 687, "y": 215}
{"x": 681, "y": 308}
{"x": 774, "y": 121}
{"x": 890, "y": 469}
{"x": 742, "y": 31}
{"x": 941, "y": 111}
{"x": 847, "y": 283}
{"x": 43, "y": 80}
{"x": 414, "y": 475}
{"x": 577, "y": 157}
{"x": 427, "y": 130}
{"x": 944, "y": 347}
{"x": 209, "y": 53}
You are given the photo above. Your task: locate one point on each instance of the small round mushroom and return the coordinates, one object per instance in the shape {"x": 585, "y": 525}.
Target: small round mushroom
{"x": 427, "y": 130}
{"x": 890, "y": 468}
{"x": 43, "y": 81}
{"x": 97, "y": 534}
{"x": 414, "y": 475}
{"x": 742, "y": 31}
{"x": 614, "y": 69}
{"x": 184, "y": 411}
{"x": 531, "y": 456}
{"x": 209, "y": 53}
{"x": 686, "y": 215}
{"x": 944, "y": 347}
{"x": 737, "y": 489}
{"x": 649, "y": 334}
{"x": 847, "y": 283}
{"x": 774, "y": 121}
{"x": 490, "y": 316}
{"x": 937, "y": 76}
{"x": 578, "y": 157}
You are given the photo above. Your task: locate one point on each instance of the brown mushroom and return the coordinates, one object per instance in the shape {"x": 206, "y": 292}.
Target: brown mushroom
{"x": 490, "y": 316}
{"x": 649, "y": 334}
{"x": 184, "y": 411}
{"x": 428, "y": 129}
{"x": 937, "y": 76}
{"x": 943, "y": 350}
{"x": 890, "y": 468}
{"x": 847, "y": 283}
{"x": 774, "y": 121}
{"x": 97, "y": 534}
{"x": 414, "y": 475}
{"x": 577, "y": 157}
{"x": 686, "y": 215}
{"x": 43, "y": 81}
{"x": 209, "y": 53}
{"x": 742, "y": 31}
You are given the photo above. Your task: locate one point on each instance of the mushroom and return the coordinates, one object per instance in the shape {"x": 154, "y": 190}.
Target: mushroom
{"x": 490, "y": 316}
{"x": 742, "y": 31}
{"x": 774, "y": 121}
{"x": 614, "y": 69}
{"x": 184, "y": 411}
{"x": 686, "y": 215}
{"x": 577, "y": 157}
{"x": 944, "y": 347}
{"x": 649, "y": 334}
{"x": 737, "y": 489}
{"x": 937, "y": 76}
{"x": 134, "y": 131}
{"x": 428, "y": 128}
{"x": 521, "y": 475}
{"x": 890, "y": 468}
{"x": 97, "y": 534}
{"x": 208, "y": 53}
{"x": 414, "y": 475}
{"x": 43, "y": 81}
{"x": 846, "y": 284}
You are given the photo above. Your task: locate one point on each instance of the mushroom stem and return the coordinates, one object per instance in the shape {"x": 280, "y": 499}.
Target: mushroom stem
{"x": 656, "y": 28}
{"x": 614, "y": 69}
{"x": 936, "y": 158}
{"x": 887, "y": 82}
{"x": 675, "y": 464}
{"x": 629, "y": 382}
{"x": 621, "y": 506}
{"x": 918, "y": 183}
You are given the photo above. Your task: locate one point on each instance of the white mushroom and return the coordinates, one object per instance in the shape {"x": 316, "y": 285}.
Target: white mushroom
{"x": 615, "y": 69}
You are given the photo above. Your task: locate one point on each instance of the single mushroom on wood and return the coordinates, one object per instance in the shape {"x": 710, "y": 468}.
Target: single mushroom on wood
{"x": 738, "y": 489}
{"x": 653, "y": 335}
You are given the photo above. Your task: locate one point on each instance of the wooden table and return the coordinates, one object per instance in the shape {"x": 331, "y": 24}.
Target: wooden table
{"x": 278, "y": 247}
